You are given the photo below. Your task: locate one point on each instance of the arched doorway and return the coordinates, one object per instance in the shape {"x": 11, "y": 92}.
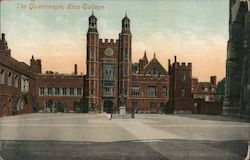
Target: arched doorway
{"x": 107, "y": 106}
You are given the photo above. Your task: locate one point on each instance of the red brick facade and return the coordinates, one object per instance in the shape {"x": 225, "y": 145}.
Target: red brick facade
{"x": 180, "y": 75}
{"x": 17, "y": 83}
{"x": 147, "y": 86}
{"x": 110, "y": 74}
{"x": 59, "y": 89}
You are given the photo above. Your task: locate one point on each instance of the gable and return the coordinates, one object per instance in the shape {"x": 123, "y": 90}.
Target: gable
{"x": 154, "y": 68}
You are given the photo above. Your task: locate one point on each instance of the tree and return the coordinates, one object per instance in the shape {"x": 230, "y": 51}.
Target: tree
{"x": 220, "y": 91}
{"x": 81, "y": 107}
{"x": 35, "y": 104}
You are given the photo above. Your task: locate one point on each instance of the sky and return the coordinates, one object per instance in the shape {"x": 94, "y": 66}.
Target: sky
{"x": 194, "y": 30}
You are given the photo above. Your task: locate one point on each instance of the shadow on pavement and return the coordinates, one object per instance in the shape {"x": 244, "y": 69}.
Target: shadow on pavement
{"x": 122, "y": 150}
{"x": 214, "y": 117}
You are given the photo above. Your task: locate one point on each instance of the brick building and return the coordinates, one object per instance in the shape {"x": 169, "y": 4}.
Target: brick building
{"x": 108, "y": 67}
{"x": 180, "y": 77}
{"x": 110, "y": 74}
{"x": 17, "y": 83}
{"x": 204, "y": 90}
{"x": 24, "y": 87}
{"x": 147, "y": 86}
{"x": 149, "y": 90}
{"x": 59, "y": 92}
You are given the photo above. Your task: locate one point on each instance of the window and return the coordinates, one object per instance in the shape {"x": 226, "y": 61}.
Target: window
{"x": 108, "y": 71}
{"x": 183, "y": 77}
{"x": 108, "y": 88}
{"x": 24, "y": 84}
{"x": 207, "y": 98}
{"x": 9, "y": 79}
{"x": 205, "y": 89}
{"x": 72, "y": 91}
{"x": 153, "y": 105}
{"x": 135, "y": 68}
{"x": 154, "y": 72}
{"x": 57, "y": 91}
{"x": 92, "y": 91}
{"x": 42, "y": 91}
{"x": 164, "y": 91}
{"x": 183, "y": 92}
{"x": 16, "y": 81}
{"x": 64, "y": 90}
{"x": 125, "y": 55}
{"x": 151, "y": 91}
{"x": 91, "y": 55}
{"x": 50, "y": 91}
{"x": 79, "y": 91}
{"x": 2, "y": 77}
{"x": 92, "y": 71}
{"x": 135, "y": 91}
{"x": 125, "y": 73}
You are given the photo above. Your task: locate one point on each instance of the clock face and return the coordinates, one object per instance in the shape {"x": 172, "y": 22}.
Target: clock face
{"x": 109, "y": 52}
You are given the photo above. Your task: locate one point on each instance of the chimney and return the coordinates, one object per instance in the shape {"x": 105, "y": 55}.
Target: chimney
{"x": 75, "y": 72}
{"x": 3, "y": 36}
{"x": 175, "y": 59}
{"x": 169, "y": 62}
{"x": 213, "y": 80}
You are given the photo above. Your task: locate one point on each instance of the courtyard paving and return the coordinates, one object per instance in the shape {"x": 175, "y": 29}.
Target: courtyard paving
{"x": 148, "y": 136}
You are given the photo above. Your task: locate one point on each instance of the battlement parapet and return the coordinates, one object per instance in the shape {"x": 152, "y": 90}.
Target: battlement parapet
{"x": 182, "y": 65}
{"x": 108, "y": 41}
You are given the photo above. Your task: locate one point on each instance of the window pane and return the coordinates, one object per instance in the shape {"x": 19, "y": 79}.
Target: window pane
{"x": 135, "y": 91}
{"x": 151, "y": 91}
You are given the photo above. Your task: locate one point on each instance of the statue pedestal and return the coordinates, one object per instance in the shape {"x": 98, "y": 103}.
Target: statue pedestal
{"x": 122, "y": 110}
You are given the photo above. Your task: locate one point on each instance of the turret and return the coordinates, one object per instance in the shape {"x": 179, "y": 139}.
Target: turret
{"x": 35, "y": 65}
{"x": 126, "y": 24}
{"x": 92, "y": 75}
{"x": 4, "y": 45}
{"x": 125, "y": 65}
{"x": 92, "y": 23}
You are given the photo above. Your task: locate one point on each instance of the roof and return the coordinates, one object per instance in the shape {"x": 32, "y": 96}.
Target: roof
{"x": 200, "y": 88}
{"x": 154, "y": 63}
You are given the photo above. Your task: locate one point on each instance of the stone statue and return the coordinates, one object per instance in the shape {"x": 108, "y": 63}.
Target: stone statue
{"x": 122, "y": 99}
{"x": 122, "y": 107}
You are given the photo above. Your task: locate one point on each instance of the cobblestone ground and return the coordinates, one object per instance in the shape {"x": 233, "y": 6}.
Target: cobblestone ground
{"x": 94, "y": 136}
